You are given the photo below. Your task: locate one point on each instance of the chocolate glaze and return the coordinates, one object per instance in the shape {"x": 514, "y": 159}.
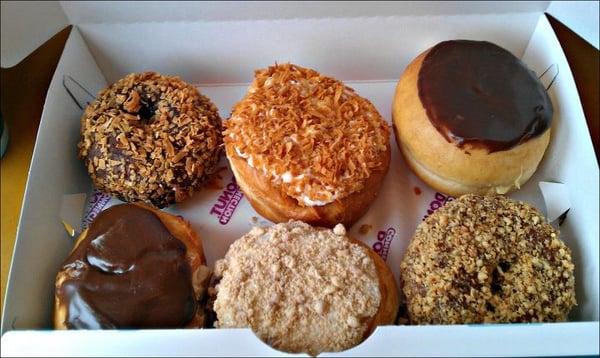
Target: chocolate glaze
{"x": 478, "y": 93}
{"x": 129, "y": 272}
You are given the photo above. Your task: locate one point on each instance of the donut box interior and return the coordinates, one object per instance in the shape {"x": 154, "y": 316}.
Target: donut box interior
{"x": 368, "y": 47}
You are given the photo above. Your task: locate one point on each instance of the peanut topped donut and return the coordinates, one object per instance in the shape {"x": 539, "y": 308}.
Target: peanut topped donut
{"x": 150, "y": 138}
{"x": 487, "y": 259}
{"x": 304, "y": 146}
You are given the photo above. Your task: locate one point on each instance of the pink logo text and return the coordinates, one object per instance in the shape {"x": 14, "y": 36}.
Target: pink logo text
{"x": 227, "y": 202}
{"x": 384, "y": 240}
{"x": 96, "y": 203}
{"x": 439, "y": 201}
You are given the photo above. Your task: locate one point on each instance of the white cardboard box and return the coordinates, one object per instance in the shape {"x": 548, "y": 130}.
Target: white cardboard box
{"x": 219, "y": 52}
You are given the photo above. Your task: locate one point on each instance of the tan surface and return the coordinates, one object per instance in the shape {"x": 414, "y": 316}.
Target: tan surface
{"x": 448, "y": 168}
{"x": 23, "y": 91}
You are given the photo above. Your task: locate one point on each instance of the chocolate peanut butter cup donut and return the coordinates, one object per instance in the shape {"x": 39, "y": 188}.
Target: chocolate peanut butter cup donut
{"x": 470, "y": 117}
{"x": 150, "y": 138}
{"x": 134, "y": 267}
{"x": 487, "y": 259}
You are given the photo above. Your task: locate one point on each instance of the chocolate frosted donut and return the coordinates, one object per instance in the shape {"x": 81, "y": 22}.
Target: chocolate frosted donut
{"x": 487, "y": 259}
{"x": 150, "y": 138}
{"x": 135, "y": 267}
{"x": 470, "y": 117}
{"x": 479, "y": 93}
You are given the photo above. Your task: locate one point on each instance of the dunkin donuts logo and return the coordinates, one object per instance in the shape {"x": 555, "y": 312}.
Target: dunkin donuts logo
{"x": 384, "y": 240}
{"x": 227, "y": 202}
{"x": 96, "y": 203}
{"x": 438, "y": 201}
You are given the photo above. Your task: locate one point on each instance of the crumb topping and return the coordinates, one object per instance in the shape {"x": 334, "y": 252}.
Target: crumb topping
{"x": 487, "y": 259}
{"x": 301, "y": 289}
{"x": 150, "y": 138}
{"x": 310, "y": 134}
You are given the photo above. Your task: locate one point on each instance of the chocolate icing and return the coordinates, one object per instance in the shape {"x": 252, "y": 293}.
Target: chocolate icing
{"x": 478, "y": 93}
{"x": 129, "y": 272}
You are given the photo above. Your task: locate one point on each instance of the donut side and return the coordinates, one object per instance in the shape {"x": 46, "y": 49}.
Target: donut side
{"x": 444, "y": 165}
{"x": 390, "y": 301}
{"x": 274, "y": 204}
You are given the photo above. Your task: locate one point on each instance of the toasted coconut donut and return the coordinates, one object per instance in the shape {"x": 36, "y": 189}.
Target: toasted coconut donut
{"x": 150, "y": 138}
{"x": 134, "y": 267}
{"x": 304, "y": 146}
{"x": 487, "y": 259}
{"x": 304, "y": 289}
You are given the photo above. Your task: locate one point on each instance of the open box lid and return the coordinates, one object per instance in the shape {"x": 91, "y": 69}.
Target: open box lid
{"x": 580, "y": 334}
{"x": 26, "y": 25}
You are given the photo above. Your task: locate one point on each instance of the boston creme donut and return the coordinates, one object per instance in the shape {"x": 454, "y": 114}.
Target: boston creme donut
{"x": 470, "y": 117}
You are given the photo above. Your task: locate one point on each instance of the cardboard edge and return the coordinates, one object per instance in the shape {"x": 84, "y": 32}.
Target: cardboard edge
{"x": 570, "y": 78}
{"x": 79, "y": 13}
{"x": 559, "y": 340}
{"x": 586, "y": 142}
{"x": 19, "y": 237}
{"x": 3, "y": 324}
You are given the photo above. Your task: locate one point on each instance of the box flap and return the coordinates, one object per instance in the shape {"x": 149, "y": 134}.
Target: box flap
{"x": 26, "y": 25}
{"x": 411, "y": 341}
{"x": 82, "y": 12}
{"x": 580, "y": 16}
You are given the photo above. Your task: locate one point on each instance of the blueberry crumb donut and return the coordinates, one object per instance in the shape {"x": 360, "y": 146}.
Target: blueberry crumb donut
{"x": 486, "y": 259}
{"x": 150, "y": 138}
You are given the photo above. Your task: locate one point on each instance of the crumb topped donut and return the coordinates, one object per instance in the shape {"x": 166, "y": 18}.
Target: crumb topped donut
{"x": 305, "y": 146}
{"x": 150, "y": 138}
{"x": 487, "y": 259}
{"x": 304, "y": 289}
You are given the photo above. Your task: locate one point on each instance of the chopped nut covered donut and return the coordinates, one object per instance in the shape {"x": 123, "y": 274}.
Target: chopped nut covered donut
{"x": 487, "y": 259}
{"x": 150, "y": 138}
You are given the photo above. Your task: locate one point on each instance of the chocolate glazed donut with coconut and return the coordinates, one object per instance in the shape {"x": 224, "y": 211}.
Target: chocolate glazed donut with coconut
{"x": 470, "y": 117}
{"x": 150, "y": 138}
{"x": 306, "y": 147}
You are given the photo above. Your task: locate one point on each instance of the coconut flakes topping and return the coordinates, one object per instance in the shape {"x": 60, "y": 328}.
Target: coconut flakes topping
{"x": 311, "y": 135}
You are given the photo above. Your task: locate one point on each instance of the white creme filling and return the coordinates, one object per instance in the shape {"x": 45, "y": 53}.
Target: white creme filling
{"x": 288, "y": 178}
